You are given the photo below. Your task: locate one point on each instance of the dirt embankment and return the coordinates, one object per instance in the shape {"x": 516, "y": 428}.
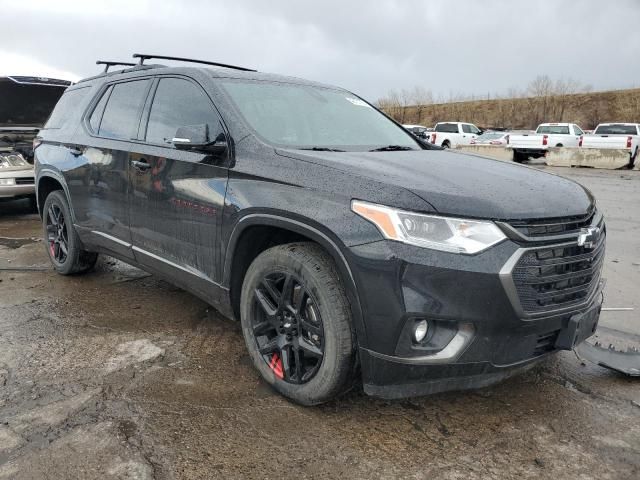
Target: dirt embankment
{"x": 585, "y": 109}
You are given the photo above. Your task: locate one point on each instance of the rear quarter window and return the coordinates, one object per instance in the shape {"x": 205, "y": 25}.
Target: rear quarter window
{"x": 65, "y": 107}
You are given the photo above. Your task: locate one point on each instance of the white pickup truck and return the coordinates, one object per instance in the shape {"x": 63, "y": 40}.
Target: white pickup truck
{"x": 615, "y": 135}
{"x": 546, "y": 135}
{"x": 452, "y": 134}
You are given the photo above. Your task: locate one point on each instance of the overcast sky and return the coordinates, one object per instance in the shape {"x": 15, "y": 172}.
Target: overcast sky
{"x": 450, "y": 47}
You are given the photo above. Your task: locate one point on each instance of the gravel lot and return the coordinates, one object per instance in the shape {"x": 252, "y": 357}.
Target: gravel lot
{"x": 117, "y": 374}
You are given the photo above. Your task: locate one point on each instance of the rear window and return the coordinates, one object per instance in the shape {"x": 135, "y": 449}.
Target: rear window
{"x": 120, "y": 118}
{"x": 447, "y": 127}
{"x": 65, "y": 106}
{"x": 616, "y": 129}
{"x": 554, "y": 129}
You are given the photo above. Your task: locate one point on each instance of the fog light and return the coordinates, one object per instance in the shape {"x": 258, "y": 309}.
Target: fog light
{"x": 7, "y": 181}
{"x": 420, "y": 330}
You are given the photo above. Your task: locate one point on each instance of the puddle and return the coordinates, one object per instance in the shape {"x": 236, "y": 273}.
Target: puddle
{"x": 17, "y": 242}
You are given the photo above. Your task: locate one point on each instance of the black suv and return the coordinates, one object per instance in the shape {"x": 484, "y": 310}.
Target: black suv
{"x": 348, "y": 249}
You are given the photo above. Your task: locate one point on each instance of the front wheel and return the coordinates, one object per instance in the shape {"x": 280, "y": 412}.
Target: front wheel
{"x": 446, "y": 145}
{"x": 296, "y": 323}
{"x": 61, "y": 239}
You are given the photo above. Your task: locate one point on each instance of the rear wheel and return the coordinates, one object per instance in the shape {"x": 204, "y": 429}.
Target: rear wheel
{"x": 62, "y": 241}
{"x": 296, "y": 323}
{"x": 446, "y": 145}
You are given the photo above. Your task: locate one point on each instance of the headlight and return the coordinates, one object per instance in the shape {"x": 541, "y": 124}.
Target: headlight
{"x": 439, "y": 233}
{"x": 7, "y": 181}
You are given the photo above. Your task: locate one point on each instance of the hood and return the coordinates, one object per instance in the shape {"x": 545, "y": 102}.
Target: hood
{"x": 28, "y": 101}
{"x": 463, "y": 185}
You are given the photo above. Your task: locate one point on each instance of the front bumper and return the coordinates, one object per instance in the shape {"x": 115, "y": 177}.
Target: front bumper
{"x": 19, "y": 189}
{"x": 463, "y": 291}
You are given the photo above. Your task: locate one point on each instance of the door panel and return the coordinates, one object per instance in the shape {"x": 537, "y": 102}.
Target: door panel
{"x": 99, "y": 193}
{"x": 176, "y": 196}
{"x": 175, "y": 207}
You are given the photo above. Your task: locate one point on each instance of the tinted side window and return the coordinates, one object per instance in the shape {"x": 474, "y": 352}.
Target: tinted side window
{"x": 120, "y": 119}
{"x": 447, "y": 127}
{"x": 577, "y": 130}
{"x": 179, "y": 103}
{"x": 96, "y": 116}
{"x": 466, "y": 128}
{"x": 65, "y": 107}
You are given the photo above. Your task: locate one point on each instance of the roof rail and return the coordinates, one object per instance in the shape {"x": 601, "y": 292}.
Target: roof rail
{"x": 108, "y": 64}
{"x": 144, "y": 56}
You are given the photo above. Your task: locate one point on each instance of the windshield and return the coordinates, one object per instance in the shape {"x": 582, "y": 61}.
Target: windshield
{"x": 303, "y": 116}
{"x": 616, "y": 130}
{"x": 554, "y": 129}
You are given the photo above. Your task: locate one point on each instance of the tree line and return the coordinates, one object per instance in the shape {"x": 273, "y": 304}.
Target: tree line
{"x": 543, "y": 100}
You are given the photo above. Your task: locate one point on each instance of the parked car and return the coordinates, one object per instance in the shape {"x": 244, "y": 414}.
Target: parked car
{"x": 16, "y": 176}
{"x": 492, "y": 138}
{"x": 452, "y": 134}
{"x": 418, "y": 130}
{"x": 547, "y": 135}
{"x": 26, "y": 104}
{"x": 615, "y": 135}
{"x": 349, "y": 251}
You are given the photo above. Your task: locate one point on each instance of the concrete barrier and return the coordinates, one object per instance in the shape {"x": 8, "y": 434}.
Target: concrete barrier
{"x": 492, "y": 151}
{"x": 610, "y": 159}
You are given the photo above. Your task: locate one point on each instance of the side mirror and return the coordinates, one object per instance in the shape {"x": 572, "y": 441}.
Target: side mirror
{"x": 196, "y": 137}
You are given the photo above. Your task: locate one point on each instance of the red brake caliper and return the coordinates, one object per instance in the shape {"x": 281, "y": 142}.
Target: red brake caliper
{"x": 276, "y": 365}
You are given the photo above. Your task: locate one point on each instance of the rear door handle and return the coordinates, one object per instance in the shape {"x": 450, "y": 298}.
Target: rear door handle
{"x": 141, "y": 165}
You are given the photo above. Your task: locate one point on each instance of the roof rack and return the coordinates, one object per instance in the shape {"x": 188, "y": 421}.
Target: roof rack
{"x": 108, "y": 64}
{"x": 144, "y": 56}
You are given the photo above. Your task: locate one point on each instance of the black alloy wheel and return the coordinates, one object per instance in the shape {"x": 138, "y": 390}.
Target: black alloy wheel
{"x": 287, "y": 327}
{"x": 57, "y": 234}
{"x": 61, "y": 238}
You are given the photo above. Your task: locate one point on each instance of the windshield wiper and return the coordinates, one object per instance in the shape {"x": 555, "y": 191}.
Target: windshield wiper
{"x": 391, "y": 148}
{"x": 323, "y": 149}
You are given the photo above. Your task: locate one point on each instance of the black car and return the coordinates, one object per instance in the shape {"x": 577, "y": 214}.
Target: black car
{"x": 348, "y": 250}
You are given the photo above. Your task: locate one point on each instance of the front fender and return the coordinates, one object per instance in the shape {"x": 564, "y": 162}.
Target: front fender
{"x": 329, "y": 242}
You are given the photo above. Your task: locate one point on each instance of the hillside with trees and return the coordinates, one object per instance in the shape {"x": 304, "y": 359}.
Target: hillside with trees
{"x": 544, "y": 100}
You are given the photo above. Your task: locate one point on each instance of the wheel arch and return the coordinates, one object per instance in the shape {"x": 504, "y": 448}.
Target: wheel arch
{"x": 48, "y": 181}
{"x": 299, "y": 230}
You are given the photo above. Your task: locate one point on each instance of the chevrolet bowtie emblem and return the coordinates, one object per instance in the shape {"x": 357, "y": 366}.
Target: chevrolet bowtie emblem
{"x": 588, "y": 237}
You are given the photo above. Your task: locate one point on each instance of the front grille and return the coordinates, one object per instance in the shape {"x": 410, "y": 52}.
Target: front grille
{"x": 557, "y": 277}
{"x": 25, "y": 181}
{"x": 553, "y": 226}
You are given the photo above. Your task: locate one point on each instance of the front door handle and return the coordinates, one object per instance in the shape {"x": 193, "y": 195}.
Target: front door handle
{"x": 141, "y": 165}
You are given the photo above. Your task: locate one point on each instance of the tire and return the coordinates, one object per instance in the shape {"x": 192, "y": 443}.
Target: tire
{"x": 559, "y": 145}
{"x": 315, "y": 315}
{"x": 446, "y": 145}
{"x": 60, "y": 235}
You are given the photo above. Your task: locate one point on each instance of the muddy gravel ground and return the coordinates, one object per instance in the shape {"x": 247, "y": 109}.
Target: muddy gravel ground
{"x": 116, "y": 374}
